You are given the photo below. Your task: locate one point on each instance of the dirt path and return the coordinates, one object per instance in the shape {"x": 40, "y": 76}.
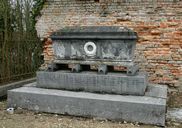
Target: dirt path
{"x": 28, "y": 119}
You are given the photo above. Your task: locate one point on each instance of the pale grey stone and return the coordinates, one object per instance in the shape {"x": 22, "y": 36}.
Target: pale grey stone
{"x": 141, "y": 109}
{"x": 4, "y": 88}
{"x": 92, "y": 82}
{"x": 175, "y": 114}
{"x": 156, "y": 90}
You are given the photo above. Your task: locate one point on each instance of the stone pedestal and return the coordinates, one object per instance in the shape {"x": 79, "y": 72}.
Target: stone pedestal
{"x": 115, "y": 83}
{"x": 148, "y": 109}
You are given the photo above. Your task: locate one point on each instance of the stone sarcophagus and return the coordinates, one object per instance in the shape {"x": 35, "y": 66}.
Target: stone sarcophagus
{"x": 95, "y": 46}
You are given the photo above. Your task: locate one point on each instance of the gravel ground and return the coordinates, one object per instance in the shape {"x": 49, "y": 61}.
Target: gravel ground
{"x": 28, "y": 119}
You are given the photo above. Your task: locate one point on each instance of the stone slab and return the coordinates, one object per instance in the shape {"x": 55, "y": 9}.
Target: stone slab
{"x": 143, "y": 109}
{"x": 153, "y": 90}
{"x": 115, "y": 83}
{"x": 174, "y": 114}
{"x": 6, "y": 87}
{"x": 156, "y": 90}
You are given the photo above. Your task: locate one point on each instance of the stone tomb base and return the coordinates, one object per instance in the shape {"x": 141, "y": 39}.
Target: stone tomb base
{"x": 115, "y": 83}
{"x": 148, "y": 109}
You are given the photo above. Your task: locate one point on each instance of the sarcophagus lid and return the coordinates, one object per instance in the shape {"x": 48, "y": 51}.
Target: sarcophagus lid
{"x": 110, "y": 45}
{"x": 94, "y": 32}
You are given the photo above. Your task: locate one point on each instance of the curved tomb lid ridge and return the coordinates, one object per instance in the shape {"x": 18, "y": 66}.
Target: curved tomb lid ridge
{"x": 92, "y": 31}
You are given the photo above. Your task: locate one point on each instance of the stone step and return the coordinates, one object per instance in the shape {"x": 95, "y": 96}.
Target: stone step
{"x": 115, "y": 83}
{"x": 143, "y": 109}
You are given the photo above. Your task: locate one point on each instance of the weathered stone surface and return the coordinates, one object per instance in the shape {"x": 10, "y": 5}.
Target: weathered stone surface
{"x": 91, "y": 81}
{"x": 175, "y": 114}
{"x": 143, "y": 109}
{"x": 158, "y": 91}
{"x": 4, "y": 88}
{"x": 105, "y": 50}
{"x": 95, "y": 45}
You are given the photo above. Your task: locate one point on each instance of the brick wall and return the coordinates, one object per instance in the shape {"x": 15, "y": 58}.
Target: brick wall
{"x": 157, "y": 22}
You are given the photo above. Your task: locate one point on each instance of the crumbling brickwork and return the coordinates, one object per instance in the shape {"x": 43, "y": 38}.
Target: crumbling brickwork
{"x": 157, "y": 22}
